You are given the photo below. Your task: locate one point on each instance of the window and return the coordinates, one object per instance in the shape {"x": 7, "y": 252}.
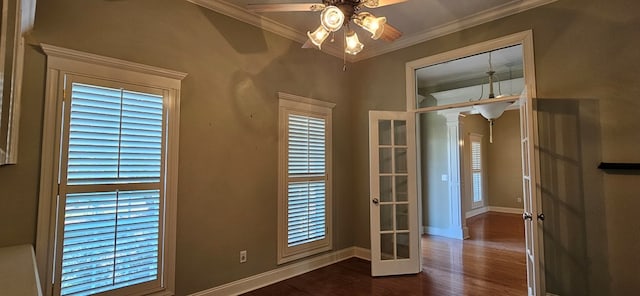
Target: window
{"x": 476, "y": 169}
{"x": 304, "y": 188}
{"x": 112, "y": 203}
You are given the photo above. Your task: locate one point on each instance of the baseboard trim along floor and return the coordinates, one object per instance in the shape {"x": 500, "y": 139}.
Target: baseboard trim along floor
{"x": 285, "y": 272}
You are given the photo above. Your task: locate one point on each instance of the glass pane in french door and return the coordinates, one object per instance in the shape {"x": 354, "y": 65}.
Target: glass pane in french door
{"x": 394, "y": 204}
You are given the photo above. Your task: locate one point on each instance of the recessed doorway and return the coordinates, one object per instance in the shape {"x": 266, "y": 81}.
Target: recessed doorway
{"x": 445, "y": 92}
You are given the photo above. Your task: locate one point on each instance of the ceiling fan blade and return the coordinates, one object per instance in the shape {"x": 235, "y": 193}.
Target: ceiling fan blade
{"x": 389, "y": 2}
{"x": 390, "y": 33}
{"x": 285, "y": 7}
{"x": 378, "y": 3}
{"x": 308, "y": 44}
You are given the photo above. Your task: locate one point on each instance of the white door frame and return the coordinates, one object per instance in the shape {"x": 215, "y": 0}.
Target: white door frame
{"x": 526, "y": 40}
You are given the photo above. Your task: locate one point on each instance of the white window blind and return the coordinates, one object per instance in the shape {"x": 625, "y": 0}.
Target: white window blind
{"x": 115, "y": 136}
{"x": 306, "y": 162}
{"x": 112, "y": 196}
{"x": 476, "y": 170}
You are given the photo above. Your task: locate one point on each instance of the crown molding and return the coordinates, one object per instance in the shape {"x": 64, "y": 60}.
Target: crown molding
{"x": 267, "y": 24}
{"x": 479, "y": 18}
{"x": 70, "y": 54}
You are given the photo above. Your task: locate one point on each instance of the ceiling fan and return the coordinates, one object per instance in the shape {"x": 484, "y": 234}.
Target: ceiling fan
{"x": 337, "y": 14}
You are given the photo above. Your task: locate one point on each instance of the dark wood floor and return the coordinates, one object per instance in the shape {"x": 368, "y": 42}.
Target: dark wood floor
{"x": 492, "y": 262}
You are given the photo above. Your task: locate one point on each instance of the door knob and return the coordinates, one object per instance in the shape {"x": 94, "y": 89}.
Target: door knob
{"x": 541, "y": 217}
{"x": 375, "y": 201}
{"x": 527, "y": 216}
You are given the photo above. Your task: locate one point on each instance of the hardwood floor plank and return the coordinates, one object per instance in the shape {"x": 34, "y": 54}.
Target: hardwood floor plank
{"x": 491, "y": 262}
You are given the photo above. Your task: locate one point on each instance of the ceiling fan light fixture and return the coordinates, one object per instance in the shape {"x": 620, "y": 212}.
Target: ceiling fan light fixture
{"x": 352, "y": 45}
{"x": 332, "y": 18}
{"x": 318, "y": 36}
{"x": 373, "y": 24}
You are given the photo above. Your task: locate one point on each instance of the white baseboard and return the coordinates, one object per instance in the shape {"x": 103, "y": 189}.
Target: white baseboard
{"x": 476, "y": 212}
{"x": 482, "y": 210}
{"x": 446, "y": 232}
{"x": 505, "y": 210}
{"x": 362, "y": 253}
{"x": 285, "y": 272}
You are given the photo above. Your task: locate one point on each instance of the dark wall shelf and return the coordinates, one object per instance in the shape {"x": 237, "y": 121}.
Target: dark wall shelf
{"x": 619, "y": 166}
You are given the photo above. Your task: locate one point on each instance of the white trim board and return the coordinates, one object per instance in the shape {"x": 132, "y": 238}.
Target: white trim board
{"x": 483, "y": 210}
{"x": 282, "y": 273}
{"x": 299, "y": 35}
{"x": 476, "y": 212}
{"x": 262, "y": 22}
{"x": 445, "y": 232}
{"x": 505, "y": 210}
{"x": 479, "y": 18}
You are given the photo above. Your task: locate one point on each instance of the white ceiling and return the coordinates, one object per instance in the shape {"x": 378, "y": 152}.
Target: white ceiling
{"x": 419, "y": 20}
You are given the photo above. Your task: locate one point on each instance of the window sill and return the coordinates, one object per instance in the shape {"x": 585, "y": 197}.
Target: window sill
{"x": 18, "y": 272}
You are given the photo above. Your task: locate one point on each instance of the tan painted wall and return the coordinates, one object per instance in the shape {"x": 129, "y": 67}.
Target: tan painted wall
{"x": 502, "y": 160}
{"x": 478, "y": 125}
{"x": 434, "y": 143}
{"x": 586, "y": 53}
{"x": 505, "y": 162}
{"x": 587, "y": 68}
{"x": 228, "y": 134}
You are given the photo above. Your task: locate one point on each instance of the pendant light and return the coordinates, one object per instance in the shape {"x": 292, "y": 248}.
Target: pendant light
{"x": 494, "y": 110}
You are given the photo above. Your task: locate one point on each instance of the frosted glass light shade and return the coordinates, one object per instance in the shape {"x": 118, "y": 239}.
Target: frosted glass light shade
{"x": 492, "y": 110}
{"x": 353, "y": 45}
{"x": 332, "y": 18}
{"x": 373, "y": 24}
{"x": 318, "y": 36}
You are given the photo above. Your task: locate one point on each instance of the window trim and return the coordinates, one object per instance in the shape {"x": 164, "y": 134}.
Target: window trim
{"x": 292, "y": 104}
{"x": 61, "y": 62}
{"x": 477, "y": 138}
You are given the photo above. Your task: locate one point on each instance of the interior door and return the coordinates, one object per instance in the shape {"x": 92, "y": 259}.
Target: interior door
{"x": 395, "y": 236}
{"x": 532, "y": 218}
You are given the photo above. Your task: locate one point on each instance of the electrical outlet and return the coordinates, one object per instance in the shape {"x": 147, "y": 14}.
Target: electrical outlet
{"x": 519, "y": 199}
{"x": 243, "y": 256}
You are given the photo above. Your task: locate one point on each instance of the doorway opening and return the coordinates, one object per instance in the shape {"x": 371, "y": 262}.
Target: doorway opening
{"x": 392, "y": 159}
{"x": 444, "y": 88}
{"x": 490, "y": 238}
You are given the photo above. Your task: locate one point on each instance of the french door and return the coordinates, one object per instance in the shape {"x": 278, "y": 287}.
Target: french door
{"x": 395, "y": 235}
{"x": 532, "y": 215}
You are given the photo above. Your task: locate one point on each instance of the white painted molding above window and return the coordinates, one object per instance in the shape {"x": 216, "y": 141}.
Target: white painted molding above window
{"x": 70, "y": 60}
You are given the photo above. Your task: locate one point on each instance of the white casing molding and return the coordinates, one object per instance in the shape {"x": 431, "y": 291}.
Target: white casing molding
{"x": 505, "y": 210}
{"x": 476, "y": 212}
{"x": 285, "y": 272}
{"x": 264, "y": 23}
{"x": 482, "y": 210}
{"x": 507, "y": 9}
